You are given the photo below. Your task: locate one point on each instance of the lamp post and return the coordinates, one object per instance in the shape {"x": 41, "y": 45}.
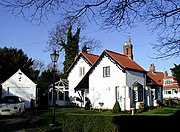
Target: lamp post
{"x": 54, "y": 58}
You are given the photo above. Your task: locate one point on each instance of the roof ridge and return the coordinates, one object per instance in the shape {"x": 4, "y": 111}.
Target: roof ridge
{"x": 114, "y": 52}
{"x": 89, "y": 53}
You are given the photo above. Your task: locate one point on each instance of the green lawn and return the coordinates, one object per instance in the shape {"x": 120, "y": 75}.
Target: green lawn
{"x": 45, "y": 115}
{"x": 161, "y": 111}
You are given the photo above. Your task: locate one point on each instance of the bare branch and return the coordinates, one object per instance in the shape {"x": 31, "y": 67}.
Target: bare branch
{"x": 161, "y": 16}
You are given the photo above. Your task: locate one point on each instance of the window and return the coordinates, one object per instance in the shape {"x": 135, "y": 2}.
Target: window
{"x": 135, "y": 94}
{"x": 168, "y": 82}
{"x": 61, "y": 95}
{"x": 66, "y": 95}
{"x": 127, "y": 51}
{"x": 117, "y": 93}
{"x": 138, "y": 94}
{"x": 167, "y": 92}
{"x": 156, "y": 94}
{"x": 106, "y": 71}
{"x": 81, "y": 71}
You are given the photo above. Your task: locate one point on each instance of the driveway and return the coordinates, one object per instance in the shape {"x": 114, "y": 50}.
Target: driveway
{"x": 17, "y": 124}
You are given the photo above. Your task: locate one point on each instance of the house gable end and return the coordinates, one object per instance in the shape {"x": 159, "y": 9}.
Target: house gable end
{"x": 86, "y": 57}
{"x": 21, "y": 74}
{"x": 114, "y": 61}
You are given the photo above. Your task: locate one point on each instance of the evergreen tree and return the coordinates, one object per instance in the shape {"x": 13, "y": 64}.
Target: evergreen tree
{"x": 116, "y": 107}
{"x": 13, "y": 59}
{"x": 176, "y": 73}
{"x": 65, "y": 37}
{"x": 71, "y": 48}
{"x": 85, "y": 49}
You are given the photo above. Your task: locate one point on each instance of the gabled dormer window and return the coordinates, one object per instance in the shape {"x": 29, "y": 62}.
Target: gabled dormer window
{"x": 106, "y": 71}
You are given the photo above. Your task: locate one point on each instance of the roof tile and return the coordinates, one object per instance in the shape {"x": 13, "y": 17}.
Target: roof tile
{"x": 157, "y": 77}
{"x": 125, "y": 61}
{"x": 90, "y": 57}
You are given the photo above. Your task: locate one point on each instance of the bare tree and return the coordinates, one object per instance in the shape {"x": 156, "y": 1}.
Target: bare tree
{"x": 38, "y": 65}
{"x": 58, "y": 35}
{"x": 161, "y": 16}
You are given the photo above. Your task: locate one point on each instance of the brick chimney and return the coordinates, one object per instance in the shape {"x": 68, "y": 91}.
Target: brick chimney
{"x": 128, "y": 49}
{"x": 152, "y": 68}
{"x": 165, "y": 74}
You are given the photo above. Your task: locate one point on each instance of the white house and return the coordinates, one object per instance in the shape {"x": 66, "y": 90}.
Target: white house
{"x": 61, "y": 93}
{"x": 76, "y": 72}
{"x": 113, "y": 77}
{"x": 119, "y": 78}
{"x": 20, "y": 85}
{"x": 171, "y": 89}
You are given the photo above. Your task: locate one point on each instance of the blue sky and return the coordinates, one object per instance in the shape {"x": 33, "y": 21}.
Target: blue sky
{"x": 32, "y": 39}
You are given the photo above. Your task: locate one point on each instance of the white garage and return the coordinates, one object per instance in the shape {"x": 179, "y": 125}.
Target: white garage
{"x": 20, "y": 85}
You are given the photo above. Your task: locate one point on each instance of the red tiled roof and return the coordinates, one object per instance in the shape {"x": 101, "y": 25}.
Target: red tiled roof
{"x": 125, "y": 61}
{"x": 169, "y": 77}
{"x": 90, "y": 57}
{"x": 157, "y": 77}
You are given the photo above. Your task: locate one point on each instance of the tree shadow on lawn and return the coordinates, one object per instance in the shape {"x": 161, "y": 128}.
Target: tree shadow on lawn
{"x": 147, "y": 123}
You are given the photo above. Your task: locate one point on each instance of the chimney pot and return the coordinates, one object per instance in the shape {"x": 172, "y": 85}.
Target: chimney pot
{"x": 165, "y": 74}
{"x": 152, "y": 68}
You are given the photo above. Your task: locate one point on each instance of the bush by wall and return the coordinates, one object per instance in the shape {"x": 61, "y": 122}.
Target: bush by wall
{"x": 87, "y": 105}
{"x": 116, "y": 107}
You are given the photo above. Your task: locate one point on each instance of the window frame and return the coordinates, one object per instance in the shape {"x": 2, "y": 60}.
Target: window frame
{"x": 138, "y": 94}
{"x": 81, "y": 71}
{"x": 106, "y": 71}
{"x": 61, "y": 95}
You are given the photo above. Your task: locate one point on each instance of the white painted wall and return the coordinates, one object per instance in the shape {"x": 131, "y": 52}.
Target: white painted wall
{"x": 102, "y": 89}
{"x": 172, "y": 94}
{"x": 20, "y": 85}
{"x": 74, "y": 78}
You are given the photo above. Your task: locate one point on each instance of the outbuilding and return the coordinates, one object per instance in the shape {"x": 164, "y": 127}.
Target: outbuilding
{"x": 20, "y": 85}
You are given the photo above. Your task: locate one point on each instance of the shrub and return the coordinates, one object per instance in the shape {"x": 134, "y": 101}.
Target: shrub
{"x": 87, "y": 105}
{"x": 116, "y": 108}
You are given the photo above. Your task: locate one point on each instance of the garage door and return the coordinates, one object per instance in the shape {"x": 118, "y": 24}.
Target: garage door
{"x": 23, "y": 92}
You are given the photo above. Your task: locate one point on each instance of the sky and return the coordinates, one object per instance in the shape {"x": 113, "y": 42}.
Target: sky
{"x": 15, "y": 32}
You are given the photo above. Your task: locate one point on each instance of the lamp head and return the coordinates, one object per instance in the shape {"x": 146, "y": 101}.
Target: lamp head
{"x": 54, "y": 56}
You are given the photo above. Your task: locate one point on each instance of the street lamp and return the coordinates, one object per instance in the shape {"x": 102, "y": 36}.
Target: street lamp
{"x": 54, "y": 58}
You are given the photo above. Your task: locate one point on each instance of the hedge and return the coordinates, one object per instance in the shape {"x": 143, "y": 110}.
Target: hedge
{"x": 88, "y": 123}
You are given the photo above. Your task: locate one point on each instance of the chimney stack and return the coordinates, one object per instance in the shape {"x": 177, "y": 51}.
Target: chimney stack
{"x": 165, "y": 74}
{"x": 128, "y": 49}
{"x": 152, "y": 68}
